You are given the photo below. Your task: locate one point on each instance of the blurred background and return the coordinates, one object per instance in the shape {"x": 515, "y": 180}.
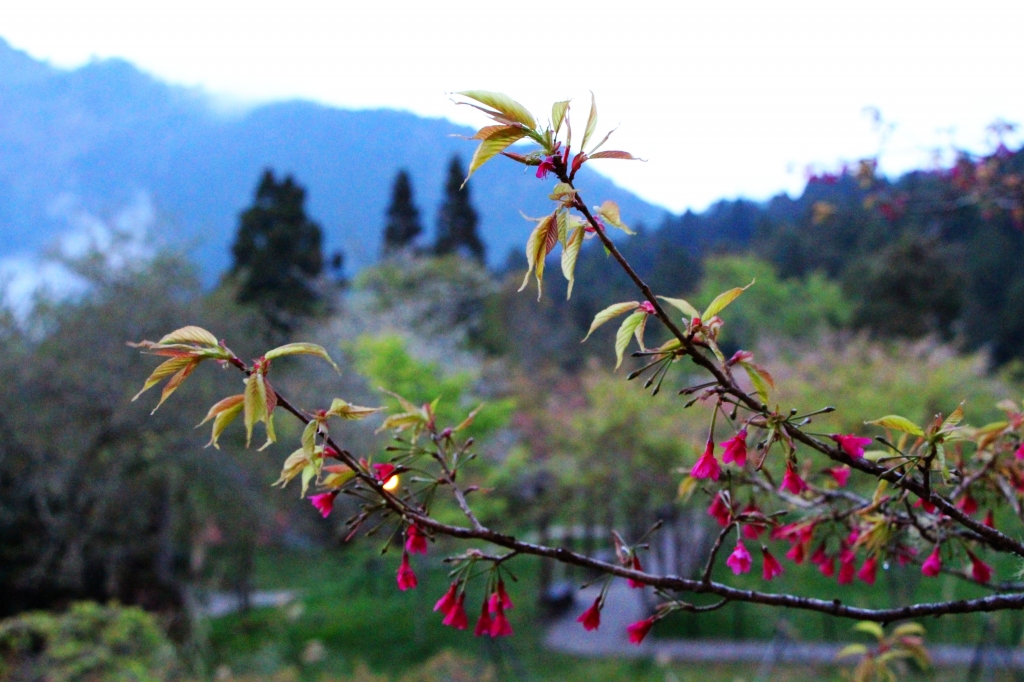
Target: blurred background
{"x": 279, "y": 173}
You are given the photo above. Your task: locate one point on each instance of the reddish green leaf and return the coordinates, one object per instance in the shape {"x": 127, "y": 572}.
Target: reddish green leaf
{"x": 609, "y": 313}
{"x": 626, "y": 330}
{"x": 591, "y": 122}
{"x": 504, "y": 104}
{"x": 615, "y": 155}
{"x": 722, "y": 300}
{"x": 495, "y": 143}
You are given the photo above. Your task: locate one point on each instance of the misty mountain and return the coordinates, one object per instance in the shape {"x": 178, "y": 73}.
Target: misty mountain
{"x": 93, "y": 140}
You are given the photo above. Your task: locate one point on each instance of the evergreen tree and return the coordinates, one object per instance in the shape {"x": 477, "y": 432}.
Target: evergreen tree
{"x": 278, "y": 252}
{"x": 457, "y": 219}
{"x": 403, "y": 224}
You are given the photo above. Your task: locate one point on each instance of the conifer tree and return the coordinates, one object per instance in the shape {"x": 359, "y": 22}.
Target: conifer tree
{"x": 457, "y": 219}
{"x": 403, "y": 224}
{"x": 278, "y": 252}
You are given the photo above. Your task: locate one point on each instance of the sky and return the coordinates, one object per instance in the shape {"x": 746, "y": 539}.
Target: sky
{"x": 723, "y": 99}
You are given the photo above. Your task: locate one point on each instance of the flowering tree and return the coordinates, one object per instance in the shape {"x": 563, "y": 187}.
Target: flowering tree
{"x": 778, "y": 490}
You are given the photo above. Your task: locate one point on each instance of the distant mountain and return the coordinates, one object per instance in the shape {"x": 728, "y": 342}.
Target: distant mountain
{"x": 97, "y": 138}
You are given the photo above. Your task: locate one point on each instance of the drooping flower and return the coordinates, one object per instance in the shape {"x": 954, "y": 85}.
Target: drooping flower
{"x": 456, "y": 617}
{"x": 324, "y": 502}
{"x": 819, "y": 555}
{"x": 791, "y": 480}
{"x": 415, "y": 540}
{"x": 904, "y": 555}
{"x": 406, "y": 578}
{"x": 484, "y": 624}
{"x": 841, "y": 474}
{"x": 772, "y": 567}
{"x": 989, "y": 520}
{"x": 981, "y": 571}
{"x": 739, "y": 560}
{"x": 967, "y": 504}
{"x": 707, "y": 466}
{"x": 506, "y": 601}
{"x": 1020, "y": 452}
{"x": 851, "y": 444}
{"x": 933, "y": 564}
{"x": 591, "y": 618}
{"x": 828, "y": 567}
{"x": 719, "y": 510}
{"x": 636, "y": 584}
{"x": 500, "y": 627}
{"x": 638, "y": 630}
{"x": 446, "y": 603}
{"x": 926, "y": 505}
{"x": 797, "y": 553}
{"x": 735, "y": 449}
{"x": 383, "y": 471}
{"x": 846, "y": 567}
{"x": 546, "y": 166}
{"x": 868, "y": 570}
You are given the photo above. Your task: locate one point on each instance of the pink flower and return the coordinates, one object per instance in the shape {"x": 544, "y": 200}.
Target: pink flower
{"x": 638, "y": 630}
{"x": 415, "y": 540}
{"x": 846, "y": 567}
{"x": 707, "y": 465}
{"x": 989, "y": 520}
{"x": 406, "y": 578}
{"x": 828, "y": 567}
{"x": 933, "y": 564}
{"x": 1020, "y": 452}
{"x": 506, "y": 601}
{"x": 456, "y": 617}
{"x": 500, "y": 627}
{"x": 446, "y": 603}
{"x": 850, "y": 444}
{"x": 819, "y": 556}
{"x": 981, "y": 571}
{"x": 771, "y": 567}
{"x": 967, "y": 504}
{"x": 841, "y": 474}
{"x": 753, "y": 530}
{"x": 791, "y": 480}
{"x": 926, "y": 505}
{"x": 797, "y": 553}
{"x": 483, "y": 626}
{"x": 720, "y": 510}
{"x": 591, "y": 618}
{"x": 545, "y": 167}
{"x": 646, "y": 307}
{"x": 636, "y": 584}
{"x": 735, "y": 449}
{"x": 383, "y": 471}
{"x": 739, "y": 560}
{"x": 324, "y": 502}
{"x": 868, "y": 570}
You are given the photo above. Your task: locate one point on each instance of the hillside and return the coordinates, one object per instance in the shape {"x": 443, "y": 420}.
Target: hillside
{"x": 98, "y": 137}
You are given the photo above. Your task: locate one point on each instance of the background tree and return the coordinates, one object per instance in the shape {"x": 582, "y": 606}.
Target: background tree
{"x": 457, "y": 219}
{"x": 277, "y": 252}
{"x": 403, "y": 226}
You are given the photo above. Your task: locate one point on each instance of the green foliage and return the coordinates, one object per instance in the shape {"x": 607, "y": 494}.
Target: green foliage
{"x": 386, "y": 362}
{"x": 457, "y": 219}
{"x": 403, "y": 225}
{"x": 88, "y": 642}
{"x": 277, "y": 252}
{"x": 791, "y": 308}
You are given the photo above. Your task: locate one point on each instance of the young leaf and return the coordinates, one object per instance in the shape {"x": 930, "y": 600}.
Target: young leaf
{"x": 222, "y": 413}
{"x": 898, "y": 423}
{"x": 301, "y": 349}
{"x": 494, "y": 144}
{"x": 255, "y": 405}
{"x": 558, "y": 112}
{"x": 591, "y": 122}
{"x": 172, "y": 384}
{"x": 870, "y": 628}
{"x": 609, "y": 313}
{"x": 309, "y": 437}
{"x": 337, "y": 476}
{"x": 609, "y": 210}
{"x": 569, "y": 255}
{"x": 346, "y": 410}
{"x": 626, "y": 330}
{"x": 503, "y": 103}
{"x": 190, "y": 334}
{"x": 760, "y": 378}
{"x": 308, "y": 472}
{"x": 296, "y": 462}
{"x": 724, "y": 299}
{"x": 852, "y": 650}
{"x": 469, "y": 418}
{"x": 542, "y": 240}
{"x": 164, "y": 370}
{"x": 614, "y": 155}
{"x": 681, "y": 304}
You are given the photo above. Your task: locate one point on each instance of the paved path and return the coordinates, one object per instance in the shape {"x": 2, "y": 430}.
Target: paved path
{"x": 624, "y": 606}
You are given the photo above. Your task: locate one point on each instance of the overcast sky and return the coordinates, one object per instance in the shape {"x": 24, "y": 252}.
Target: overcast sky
{"x": 723, "y": 98}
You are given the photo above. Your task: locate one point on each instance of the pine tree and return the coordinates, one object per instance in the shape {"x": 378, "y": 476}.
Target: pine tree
{"x": 457, "y": 219}
{"x": 277, "y": 252}
{"x": 403, "y": 224}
